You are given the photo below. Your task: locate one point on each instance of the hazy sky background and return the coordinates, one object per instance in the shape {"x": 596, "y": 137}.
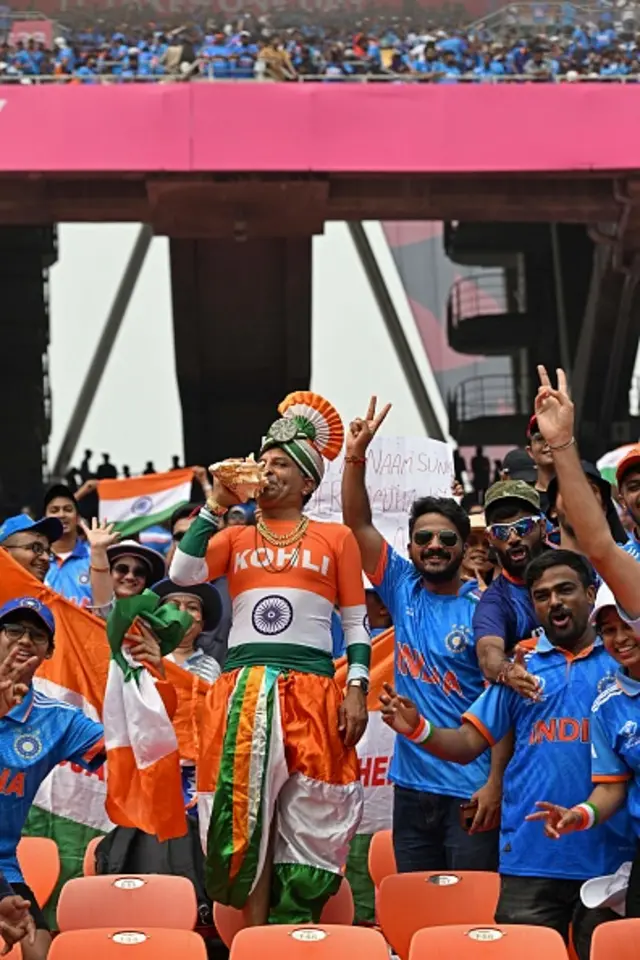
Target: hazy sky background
{"x": 136, "y": 413}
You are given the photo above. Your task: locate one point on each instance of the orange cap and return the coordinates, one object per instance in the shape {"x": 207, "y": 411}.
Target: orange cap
{"x": 630, "y": 459}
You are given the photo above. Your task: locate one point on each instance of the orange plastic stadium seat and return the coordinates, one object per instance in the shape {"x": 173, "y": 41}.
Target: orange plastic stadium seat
{"x": 382, "y": 859}
{"x": 490, "y": 942}
{"x": 89, "y": 862}
{"x": 616, "y": 940}
{"x": 39, "y": 861}
{"x": 339, "y": 910}
{"x": 408, "y": 902}
{"x": 308, "y": 942}
{"x": 130, "y": 943}
{"x": 129, "y": 902}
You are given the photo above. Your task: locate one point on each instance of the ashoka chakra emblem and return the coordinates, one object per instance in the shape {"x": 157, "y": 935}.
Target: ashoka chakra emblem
{"x": 272, "y": 615}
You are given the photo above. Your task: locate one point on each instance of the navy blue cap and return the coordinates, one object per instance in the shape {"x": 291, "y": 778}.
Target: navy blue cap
{"x": 206, "y": 593}
{"x": 50, "y": 527}
{"x": 31, "y": 605}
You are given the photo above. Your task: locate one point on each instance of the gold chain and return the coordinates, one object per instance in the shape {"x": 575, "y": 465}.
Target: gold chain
{"x": 285, "y": 539}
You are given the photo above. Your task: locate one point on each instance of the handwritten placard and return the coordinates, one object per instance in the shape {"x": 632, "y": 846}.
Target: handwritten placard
{"x": 399, "y": 470}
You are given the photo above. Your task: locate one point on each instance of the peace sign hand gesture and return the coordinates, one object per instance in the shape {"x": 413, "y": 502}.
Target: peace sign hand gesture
{"x": 554, "y": 410}
{"x": 361, "y": 432}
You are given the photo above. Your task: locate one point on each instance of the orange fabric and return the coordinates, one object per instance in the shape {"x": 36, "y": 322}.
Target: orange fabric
{"x": 158, "y": 944}
{"x": 620, "y": 778}
{"x": 309, "y": 714}
{"x": 516, "y": 941}
{"x": 138, "y": 797}
{"x": 381, "y": 670}
{"x": 410, "y": 901}
{"x": 39, "y": 861}
{"x": 328, "y": 561}
{"x": 146, "y": 485}
{"x": 97, "y": 902}
{"x": 191, "y": 692}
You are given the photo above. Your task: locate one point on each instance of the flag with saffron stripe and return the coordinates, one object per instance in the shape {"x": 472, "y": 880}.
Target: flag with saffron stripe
{"x": 140, "y": 502}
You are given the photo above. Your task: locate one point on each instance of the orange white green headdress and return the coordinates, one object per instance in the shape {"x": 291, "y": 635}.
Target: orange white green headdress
{"x": 309, "y": 431}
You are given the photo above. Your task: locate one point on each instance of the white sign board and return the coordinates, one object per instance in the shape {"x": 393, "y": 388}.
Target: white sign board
{"x": 399, "y": 470}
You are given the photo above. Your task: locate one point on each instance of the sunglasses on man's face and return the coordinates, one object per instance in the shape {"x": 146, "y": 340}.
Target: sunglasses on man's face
{"x": 123, "y": 569}
{"x": 521, "y": 528}
{"x": 446, "y": 538}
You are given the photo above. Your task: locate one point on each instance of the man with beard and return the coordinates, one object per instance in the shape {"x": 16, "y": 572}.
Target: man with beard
{"x": 505, "y": 614}
{"x": 435, "y": 664}
{"x": 552, "y": 753}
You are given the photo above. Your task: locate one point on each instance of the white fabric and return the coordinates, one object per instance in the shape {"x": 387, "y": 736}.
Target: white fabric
{"x": 609, "y": 891}
{"x": 134, "y": 716}
{"x": 281, "y": 615}
{"x": 188, "y": 571}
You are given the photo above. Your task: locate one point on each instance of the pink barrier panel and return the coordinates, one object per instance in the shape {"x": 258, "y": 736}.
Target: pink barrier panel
{"x": 98, "y": 128}
{"x": 39, "y": 30}
{"x": 325, "y": 127}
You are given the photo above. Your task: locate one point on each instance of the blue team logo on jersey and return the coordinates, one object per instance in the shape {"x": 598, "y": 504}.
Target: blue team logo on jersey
{"x": 542, "y": 682}
{"x": 83, "y": 578}
{"x": 272, "y": 615}
{"x": 142, "y": 506}
{"x": 605, "y": 682}
{"x": 456, "y": 641}
{"x": 28, "y": 746}
{"x": 629, "y": 729}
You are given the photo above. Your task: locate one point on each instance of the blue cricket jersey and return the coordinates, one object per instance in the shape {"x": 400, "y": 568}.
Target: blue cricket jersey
{"x": 435, "y": 664}
{"x": 71, "y": 577}
{"x": 35, "y": 736}
{"x": 615, "y": 736}
{"x": 505, "y": 610}
{"x": 552, "y": 761}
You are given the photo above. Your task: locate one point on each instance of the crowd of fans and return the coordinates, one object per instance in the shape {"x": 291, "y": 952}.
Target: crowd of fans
{"x": 566, "y": 46}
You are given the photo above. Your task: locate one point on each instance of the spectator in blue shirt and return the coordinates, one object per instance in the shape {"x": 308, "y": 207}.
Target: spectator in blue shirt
{"x": 68, "y": 572}
{"x": 615, "y": 753}
{"x": 552, "y": 753}
{"x": 435, "y": 663}
{"x": 28, "y": 542}
{"x": 505, "y": 614}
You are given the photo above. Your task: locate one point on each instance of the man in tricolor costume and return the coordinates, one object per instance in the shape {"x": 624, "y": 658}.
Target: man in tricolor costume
{"x": 278, "y": 774}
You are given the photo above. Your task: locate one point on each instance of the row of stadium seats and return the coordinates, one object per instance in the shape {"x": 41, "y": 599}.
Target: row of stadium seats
{"x": 422, "y": 916}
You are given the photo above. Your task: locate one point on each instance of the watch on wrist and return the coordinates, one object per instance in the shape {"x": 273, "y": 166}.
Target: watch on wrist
{"x": 359, "y": 682}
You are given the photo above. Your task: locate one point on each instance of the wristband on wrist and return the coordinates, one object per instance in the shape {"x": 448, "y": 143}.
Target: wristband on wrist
{"x": 99, "y": 569}
{"x": 361, "y": 461}
{"x": 215, "y": 508}
{"x": 589, "y": 815}
{"x": 562, "y": 446}
{"x": 422, "y": 732}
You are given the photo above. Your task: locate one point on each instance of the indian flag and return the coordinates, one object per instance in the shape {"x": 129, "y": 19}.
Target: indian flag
{"x": 71, "y": 805}
{"x": 608, "y": 464}
{"x": 140, "y": 502}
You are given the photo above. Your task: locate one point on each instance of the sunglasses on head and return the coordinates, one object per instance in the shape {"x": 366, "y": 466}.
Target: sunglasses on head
{"x": 446, "y": 538}
{"x": 123, "y": 569}
{"x": 521, "y": 528}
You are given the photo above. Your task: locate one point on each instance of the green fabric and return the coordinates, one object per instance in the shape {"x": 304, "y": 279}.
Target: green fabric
{"x": 168, "y": 624}
{"x": 364, "y": 894}
{"x": 220, "y": 886}
{"x": 299, "y": 892}
{"x": 196, "y": 539}
{"x": 359, "y": 653}
{"x": 132, "y": 526}
{"x": 284, "y": 656}
{"x": 72, "y": 839}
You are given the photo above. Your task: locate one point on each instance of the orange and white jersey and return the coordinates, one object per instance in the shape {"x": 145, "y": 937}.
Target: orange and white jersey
{"x": 286, "y": 595}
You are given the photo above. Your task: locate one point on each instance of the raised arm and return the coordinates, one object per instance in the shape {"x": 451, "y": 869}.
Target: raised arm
{"x": 356, "y": 509}
{"x": 195, "y": 560}
{"x": 100, "y": 536}
{"x": 555, "y": 415}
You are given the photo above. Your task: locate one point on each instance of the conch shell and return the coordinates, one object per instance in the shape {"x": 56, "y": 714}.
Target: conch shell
{"x": 245, "y": 478}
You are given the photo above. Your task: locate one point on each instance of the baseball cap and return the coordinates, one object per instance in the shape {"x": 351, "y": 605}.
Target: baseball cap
{"x": 609, "y": 891}
{"x": 520, "y": 466}
{"x": 591, "y": 471}
{"x": 34, "y": 606}
{"x": 631, "y": 459}
{"x": 50, "y": 527}
{"x": 512, "y": 490}
{"x": 207, "y": 594}
{"x": 59, "y": 490}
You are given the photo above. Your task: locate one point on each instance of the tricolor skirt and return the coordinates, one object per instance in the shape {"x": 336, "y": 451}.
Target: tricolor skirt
{"x": 275, "y": 779}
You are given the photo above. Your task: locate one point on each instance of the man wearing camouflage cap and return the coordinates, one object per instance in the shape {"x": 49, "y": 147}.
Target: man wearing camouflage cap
{"x": 516, "y": 529}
